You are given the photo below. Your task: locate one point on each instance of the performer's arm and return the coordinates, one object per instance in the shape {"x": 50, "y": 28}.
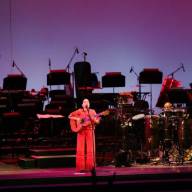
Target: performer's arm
{"x": 74, "y": 116}
{"x": 96, "y": 119}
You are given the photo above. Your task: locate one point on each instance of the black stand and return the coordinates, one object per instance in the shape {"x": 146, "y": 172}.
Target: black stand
{"x": 50, "y": 70}
{"x": 69, "y": 63}
{"x": 76, "y": 51}
{"x": 84, "y": 56}
{"x": 150, "y": 76}
{"x": 93, "y": 171}
{"x": 181, "y": 67}
{"x": 138, "y": 83}
{"x": 15, "y": 81}
{"x": 60, "y": 77}
{"x": 15, "y": 65}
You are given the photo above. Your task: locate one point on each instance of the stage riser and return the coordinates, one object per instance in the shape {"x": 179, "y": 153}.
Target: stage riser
{"x": 27, "y": 163}
{"x": 47, "y": 162}
{"x": 49, "y": 158}
{"x": 65, "y": 151}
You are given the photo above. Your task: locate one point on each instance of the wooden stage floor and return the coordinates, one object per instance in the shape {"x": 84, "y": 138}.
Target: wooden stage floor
{"x": 141, "y": 177}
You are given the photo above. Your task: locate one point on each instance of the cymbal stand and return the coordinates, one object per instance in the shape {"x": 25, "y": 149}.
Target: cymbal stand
{"x": 181, "y": 67}
{"x": 122, "y": 154}
{"x": 76, "y": 51}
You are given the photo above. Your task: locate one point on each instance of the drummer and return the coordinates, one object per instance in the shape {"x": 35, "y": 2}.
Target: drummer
{"x": 167, "y": 106}
{"x": 127, "y": 98}
{"x": 167, "y": 109}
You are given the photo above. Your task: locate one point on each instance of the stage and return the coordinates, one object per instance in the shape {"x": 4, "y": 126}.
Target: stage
{"x": 142, "y": 177}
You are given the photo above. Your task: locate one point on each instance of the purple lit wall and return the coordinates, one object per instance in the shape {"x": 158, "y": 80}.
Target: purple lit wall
{"x": 116, "y": 34}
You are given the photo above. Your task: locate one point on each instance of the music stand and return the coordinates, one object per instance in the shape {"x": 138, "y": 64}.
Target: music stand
{"x": 15, "y": 82}
{"x": 58, "y": 77}
{"x": 150, "y": 76}
{"x": 113, "y": 79}
{"x": 48, "y": 118}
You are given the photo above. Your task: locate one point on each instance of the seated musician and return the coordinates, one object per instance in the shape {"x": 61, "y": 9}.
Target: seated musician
{"x": 167, "y": 106}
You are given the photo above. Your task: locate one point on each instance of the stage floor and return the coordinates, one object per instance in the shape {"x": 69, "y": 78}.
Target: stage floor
{"x": 142, "y": 177}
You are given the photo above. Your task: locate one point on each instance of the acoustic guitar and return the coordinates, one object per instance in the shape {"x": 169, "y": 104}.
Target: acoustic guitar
{"x": 76, "y": 125}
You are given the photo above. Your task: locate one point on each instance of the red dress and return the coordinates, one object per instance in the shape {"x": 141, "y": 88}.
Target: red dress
{"x": 85, "y": 150}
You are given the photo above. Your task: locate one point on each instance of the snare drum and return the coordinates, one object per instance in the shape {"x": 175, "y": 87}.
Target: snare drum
{"x": 138, "y": 117}
{"x": 168, "y": 113}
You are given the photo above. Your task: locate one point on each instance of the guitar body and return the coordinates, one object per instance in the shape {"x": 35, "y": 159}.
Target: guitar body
{"x": 76, "y": 126}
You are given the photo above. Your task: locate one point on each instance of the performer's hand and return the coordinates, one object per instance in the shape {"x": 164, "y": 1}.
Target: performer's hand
{"x": 78, "y": 120}
{"x": 97, "y": 120}
{"x": 82, "y": 120}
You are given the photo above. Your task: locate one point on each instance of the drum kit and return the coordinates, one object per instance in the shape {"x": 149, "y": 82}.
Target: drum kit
{"x": 164, "y": 131}
{"x": 163, "y": 134}
{"x": 172, "y": 122}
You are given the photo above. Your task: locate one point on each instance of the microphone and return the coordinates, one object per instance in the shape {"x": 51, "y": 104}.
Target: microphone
{"x": 84, "y": 53}
{"x": 131, "y": 70}
{"x": 77, "y": 50}
{"x": 182, "y": 66}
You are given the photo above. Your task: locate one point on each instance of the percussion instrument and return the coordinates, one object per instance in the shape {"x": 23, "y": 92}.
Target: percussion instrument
{"x": 138, "y": 117}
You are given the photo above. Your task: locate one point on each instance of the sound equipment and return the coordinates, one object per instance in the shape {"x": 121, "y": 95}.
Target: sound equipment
{"x": 58, "y": 77}
{"x": 82, "y": 74}
{"x": 82, "y": 71}
{"x": 113, "y": 79}
{"x": 150, "y": 76}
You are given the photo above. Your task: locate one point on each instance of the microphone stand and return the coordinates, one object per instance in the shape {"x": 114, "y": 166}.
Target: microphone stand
{"x": 68, "y": 66}
{"x": 84, "y": 56}
{"x": 93, "y": 171}
{"x": 51, "y": 78}
{"x": 132, "y": 70}
{"x": 15, "y": 65}
{"x": 72, "y": 57}
{"x": 181, "y": 67}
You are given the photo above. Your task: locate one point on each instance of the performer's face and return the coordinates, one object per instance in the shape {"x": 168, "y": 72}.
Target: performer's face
{"x": 85, "y": 103}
